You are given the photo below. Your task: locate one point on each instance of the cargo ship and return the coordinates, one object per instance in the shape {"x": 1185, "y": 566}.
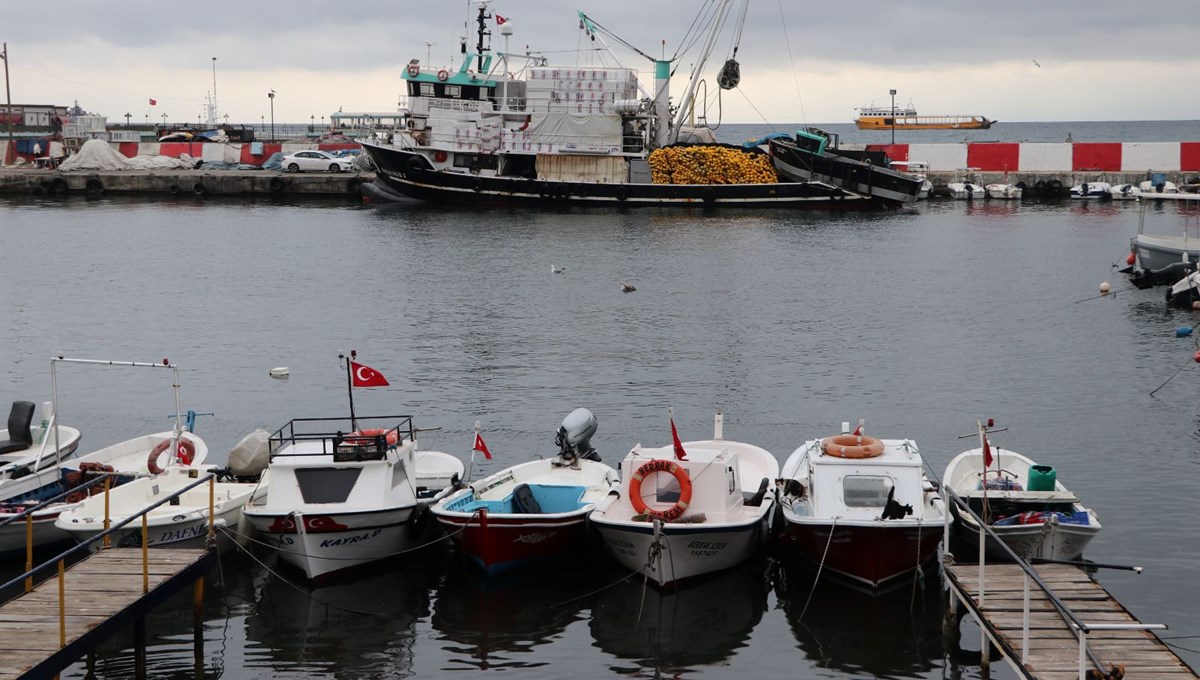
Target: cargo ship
{"x": 871, "y": 118}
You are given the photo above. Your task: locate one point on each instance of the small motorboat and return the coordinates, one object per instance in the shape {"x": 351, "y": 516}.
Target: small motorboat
{"x": 531, "y": 511}
{"x": 1124, "y": 192}
{"x": 861, "y": 507}
{"x": 1003, "y": 190}
{"x": 1159, "y": 185}
{"x": 689, "y": 509}
{"x": 1099, "y": 190}
{"x": 344, "y": 492}
{"x": 1164, "y": 246}
{"x": 29, "y": 454}
{"x": 1185, "y": 293}
{"x": 1023, "y": 502}
{"x": 183, "y": 522}
{"x": 966, "y": 188}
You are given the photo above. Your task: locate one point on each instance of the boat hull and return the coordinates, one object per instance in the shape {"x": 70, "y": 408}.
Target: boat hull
{"x": 859, "y": 177}
{"x": 501, "y": 543}
{"x": 167, "y": 533}
{"x": 1047, "y": 540}
{"x": 688, "y": 551}
{"x": 13, "y": 537}
{"x": 408, "y": 173}
{"x": 322, "y": 545}
{"x": 1157, "y": 252}
{"x": 871, "y": 555}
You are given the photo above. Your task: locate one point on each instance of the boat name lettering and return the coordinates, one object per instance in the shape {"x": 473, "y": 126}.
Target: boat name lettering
{"x": 182, "y": 534}
{"x": 707, "y": 545}
{"x": 535, "y": 538}
{"x": 333, "y": 542}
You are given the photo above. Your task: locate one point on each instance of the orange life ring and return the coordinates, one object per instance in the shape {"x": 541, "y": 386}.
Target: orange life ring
{"x": 439, "y": 156}
{"x": 414, "y": 70}
{"x": 443, "y": 74}
{"x": 363, "y": 437}
{"x": 852, "y": 446}
{"x": 651, "y": 467}
{"x": 186, "y": 454}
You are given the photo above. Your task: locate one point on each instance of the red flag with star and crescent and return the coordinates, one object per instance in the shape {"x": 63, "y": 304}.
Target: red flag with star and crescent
{"x": 481, "y": 447}
{"x": 987, "y": 449}
{"x": 365, "y": 376}
{"x": 680, "y": 454}
{"x": 500, "y": 21}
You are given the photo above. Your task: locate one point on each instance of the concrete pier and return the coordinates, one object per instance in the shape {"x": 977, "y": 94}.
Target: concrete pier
{"x": 200, "y": 183}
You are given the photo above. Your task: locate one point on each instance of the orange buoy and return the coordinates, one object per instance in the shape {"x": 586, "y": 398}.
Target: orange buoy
{"x": 1132, "y": 258}
{"x": 852, "y": 446}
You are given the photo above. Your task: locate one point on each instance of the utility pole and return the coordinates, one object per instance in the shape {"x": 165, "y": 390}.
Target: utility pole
{"x": 893, "y": 93}
{"x": 8, "y": 150}
{"x": 271, "y": 96}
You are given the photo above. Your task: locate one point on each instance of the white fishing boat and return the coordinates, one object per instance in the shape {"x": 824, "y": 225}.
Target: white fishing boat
{"x": 966, "y": 188}
{"x": 532, "y": 511}
{"x": 860, "y": 506}
{"x": 1124, "y": 192}
{"x": 689, "y": 509}
{"x": 1024, "y": 504}
{"x": 1158, "y": 185}
{"x": 183, "y": 522}
{"x": 1162, "y": 246}
{"x": 29, "y": 454}
{"x": 1004, "y": 190}
{"x": 140, "y": 456}
{"x": 343, "y": 492}
{"x": 1095, "y": 190}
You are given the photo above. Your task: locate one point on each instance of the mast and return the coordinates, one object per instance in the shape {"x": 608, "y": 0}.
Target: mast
{"x": 482, "y": 21}
{"x": 690, "y": 92}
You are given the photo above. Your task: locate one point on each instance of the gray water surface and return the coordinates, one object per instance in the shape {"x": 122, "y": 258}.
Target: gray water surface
{"x": 920, "y": 321}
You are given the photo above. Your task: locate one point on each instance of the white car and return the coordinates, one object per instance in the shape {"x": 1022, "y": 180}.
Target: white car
{"x": 315, "y": 160}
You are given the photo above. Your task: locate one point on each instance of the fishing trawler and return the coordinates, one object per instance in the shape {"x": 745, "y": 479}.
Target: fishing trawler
{"x": 505, "y": 128}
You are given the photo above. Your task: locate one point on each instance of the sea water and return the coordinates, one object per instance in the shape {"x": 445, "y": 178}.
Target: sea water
{"x": 920, "y": 321}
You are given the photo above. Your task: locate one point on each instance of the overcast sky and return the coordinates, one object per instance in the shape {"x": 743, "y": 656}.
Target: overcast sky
{"x": 811, "y": 62}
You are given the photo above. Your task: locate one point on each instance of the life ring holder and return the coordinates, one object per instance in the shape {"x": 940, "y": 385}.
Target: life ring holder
{"x": 654, "y": 466}
{"x": 439, "y": 156}
{"x": 414, "y": 70}
{"x": 365, "y": 437}
{"x": 443, "y": 74}
{"x": 186, "y": 454}
{"x": 852, "y": 446}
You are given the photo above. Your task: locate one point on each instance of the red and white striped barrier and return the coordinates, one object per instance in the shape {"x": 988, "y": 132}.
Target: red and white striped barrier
{"x": 1051, "y": 157}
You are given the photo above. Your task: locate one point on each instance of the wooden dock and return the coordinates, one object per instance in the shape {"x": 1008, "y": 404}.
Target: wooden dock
{"x": 103, "y": 594}
{"x": 1054, "y": 650}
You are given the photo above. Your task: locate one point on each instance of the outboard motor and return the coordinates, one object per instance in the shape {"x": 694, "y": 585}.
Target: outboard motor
{"x": 574, "y": 436}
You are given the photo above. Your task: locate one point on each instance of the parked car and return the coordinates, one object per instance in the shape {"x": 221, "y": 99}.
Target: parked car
{"x": 315, "y": 160}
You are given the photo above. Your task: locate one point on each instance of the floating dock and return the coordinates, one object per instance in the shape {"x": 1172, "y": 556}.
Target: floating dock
{"x": 1038, "y": 631}
{"x": 62, "y": 619}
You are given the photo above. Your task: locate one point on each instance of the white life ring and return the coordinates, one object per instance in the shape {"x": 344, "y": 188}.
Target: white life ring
{"x": 414, "y": 70}
{"x": 443, "y": 74}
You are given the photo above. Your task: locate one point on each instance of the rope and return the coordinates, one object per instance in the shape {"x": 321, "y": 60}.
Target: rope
{"x": 918, "y": 573}
{"x": 820, "y": 567}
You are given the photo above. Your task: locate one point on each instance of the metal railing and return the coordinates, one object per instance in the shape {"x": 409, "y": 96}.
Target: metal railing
{"x": 1073, "y": 621}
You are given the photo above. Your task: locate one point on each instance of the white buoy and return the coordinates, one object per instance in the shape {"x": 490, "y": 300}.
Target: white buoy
{"x": 279, "y": 373}
{"x": 1104, "y": 288}
{"x": 1196, "y": 305}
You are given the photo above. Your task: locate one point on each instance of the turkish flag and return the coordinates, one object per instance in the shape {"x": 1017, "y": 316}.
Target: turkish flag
{"x": 500, "y": 21}
{"x": 481, "y": 447}
{"x": 680, "y": 454}
{"x": 365, "y": 376}
{"x": 153, "y": 102}
{"x": 987, "y": 451}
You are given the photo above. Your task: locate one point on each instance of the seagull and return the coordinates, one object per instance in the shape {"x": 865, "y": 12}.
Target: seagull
{"x": 555, "y": 269}
{"x": 1035, "y": 63}
{"x": 627, "y": 287}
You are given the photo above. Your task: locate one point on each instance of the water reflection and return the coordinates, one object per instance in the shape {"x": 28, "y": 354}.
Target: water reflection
{"x": 364, "y": 627}
{"x": 669, "y": 632}
{"x": 501, "y": 622}
{"x": 894, "y": 633}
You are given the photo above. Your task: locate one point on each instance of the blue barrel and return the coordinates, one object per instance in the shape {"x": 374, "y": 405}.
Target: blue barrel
{"x": 1041, "y": 478}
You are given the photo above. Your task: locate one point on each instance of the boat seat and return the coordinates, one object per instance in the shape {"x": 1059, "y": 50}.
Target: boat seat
{"x": 524, "y": 502}
{"x": 19, "y": 421}
{"x": 757, "y": 499}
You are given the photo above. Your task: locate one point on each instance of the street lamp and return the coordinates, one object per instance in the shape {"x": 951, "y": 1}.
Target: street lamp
{"x": 312, "y": 123}
{"x": 164, "y": 117}
{"x": 271, "y": 96}
{"x": 893, "y": 93}
{"x": 227, "y": 120}
{"x": 127, "y": 116}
